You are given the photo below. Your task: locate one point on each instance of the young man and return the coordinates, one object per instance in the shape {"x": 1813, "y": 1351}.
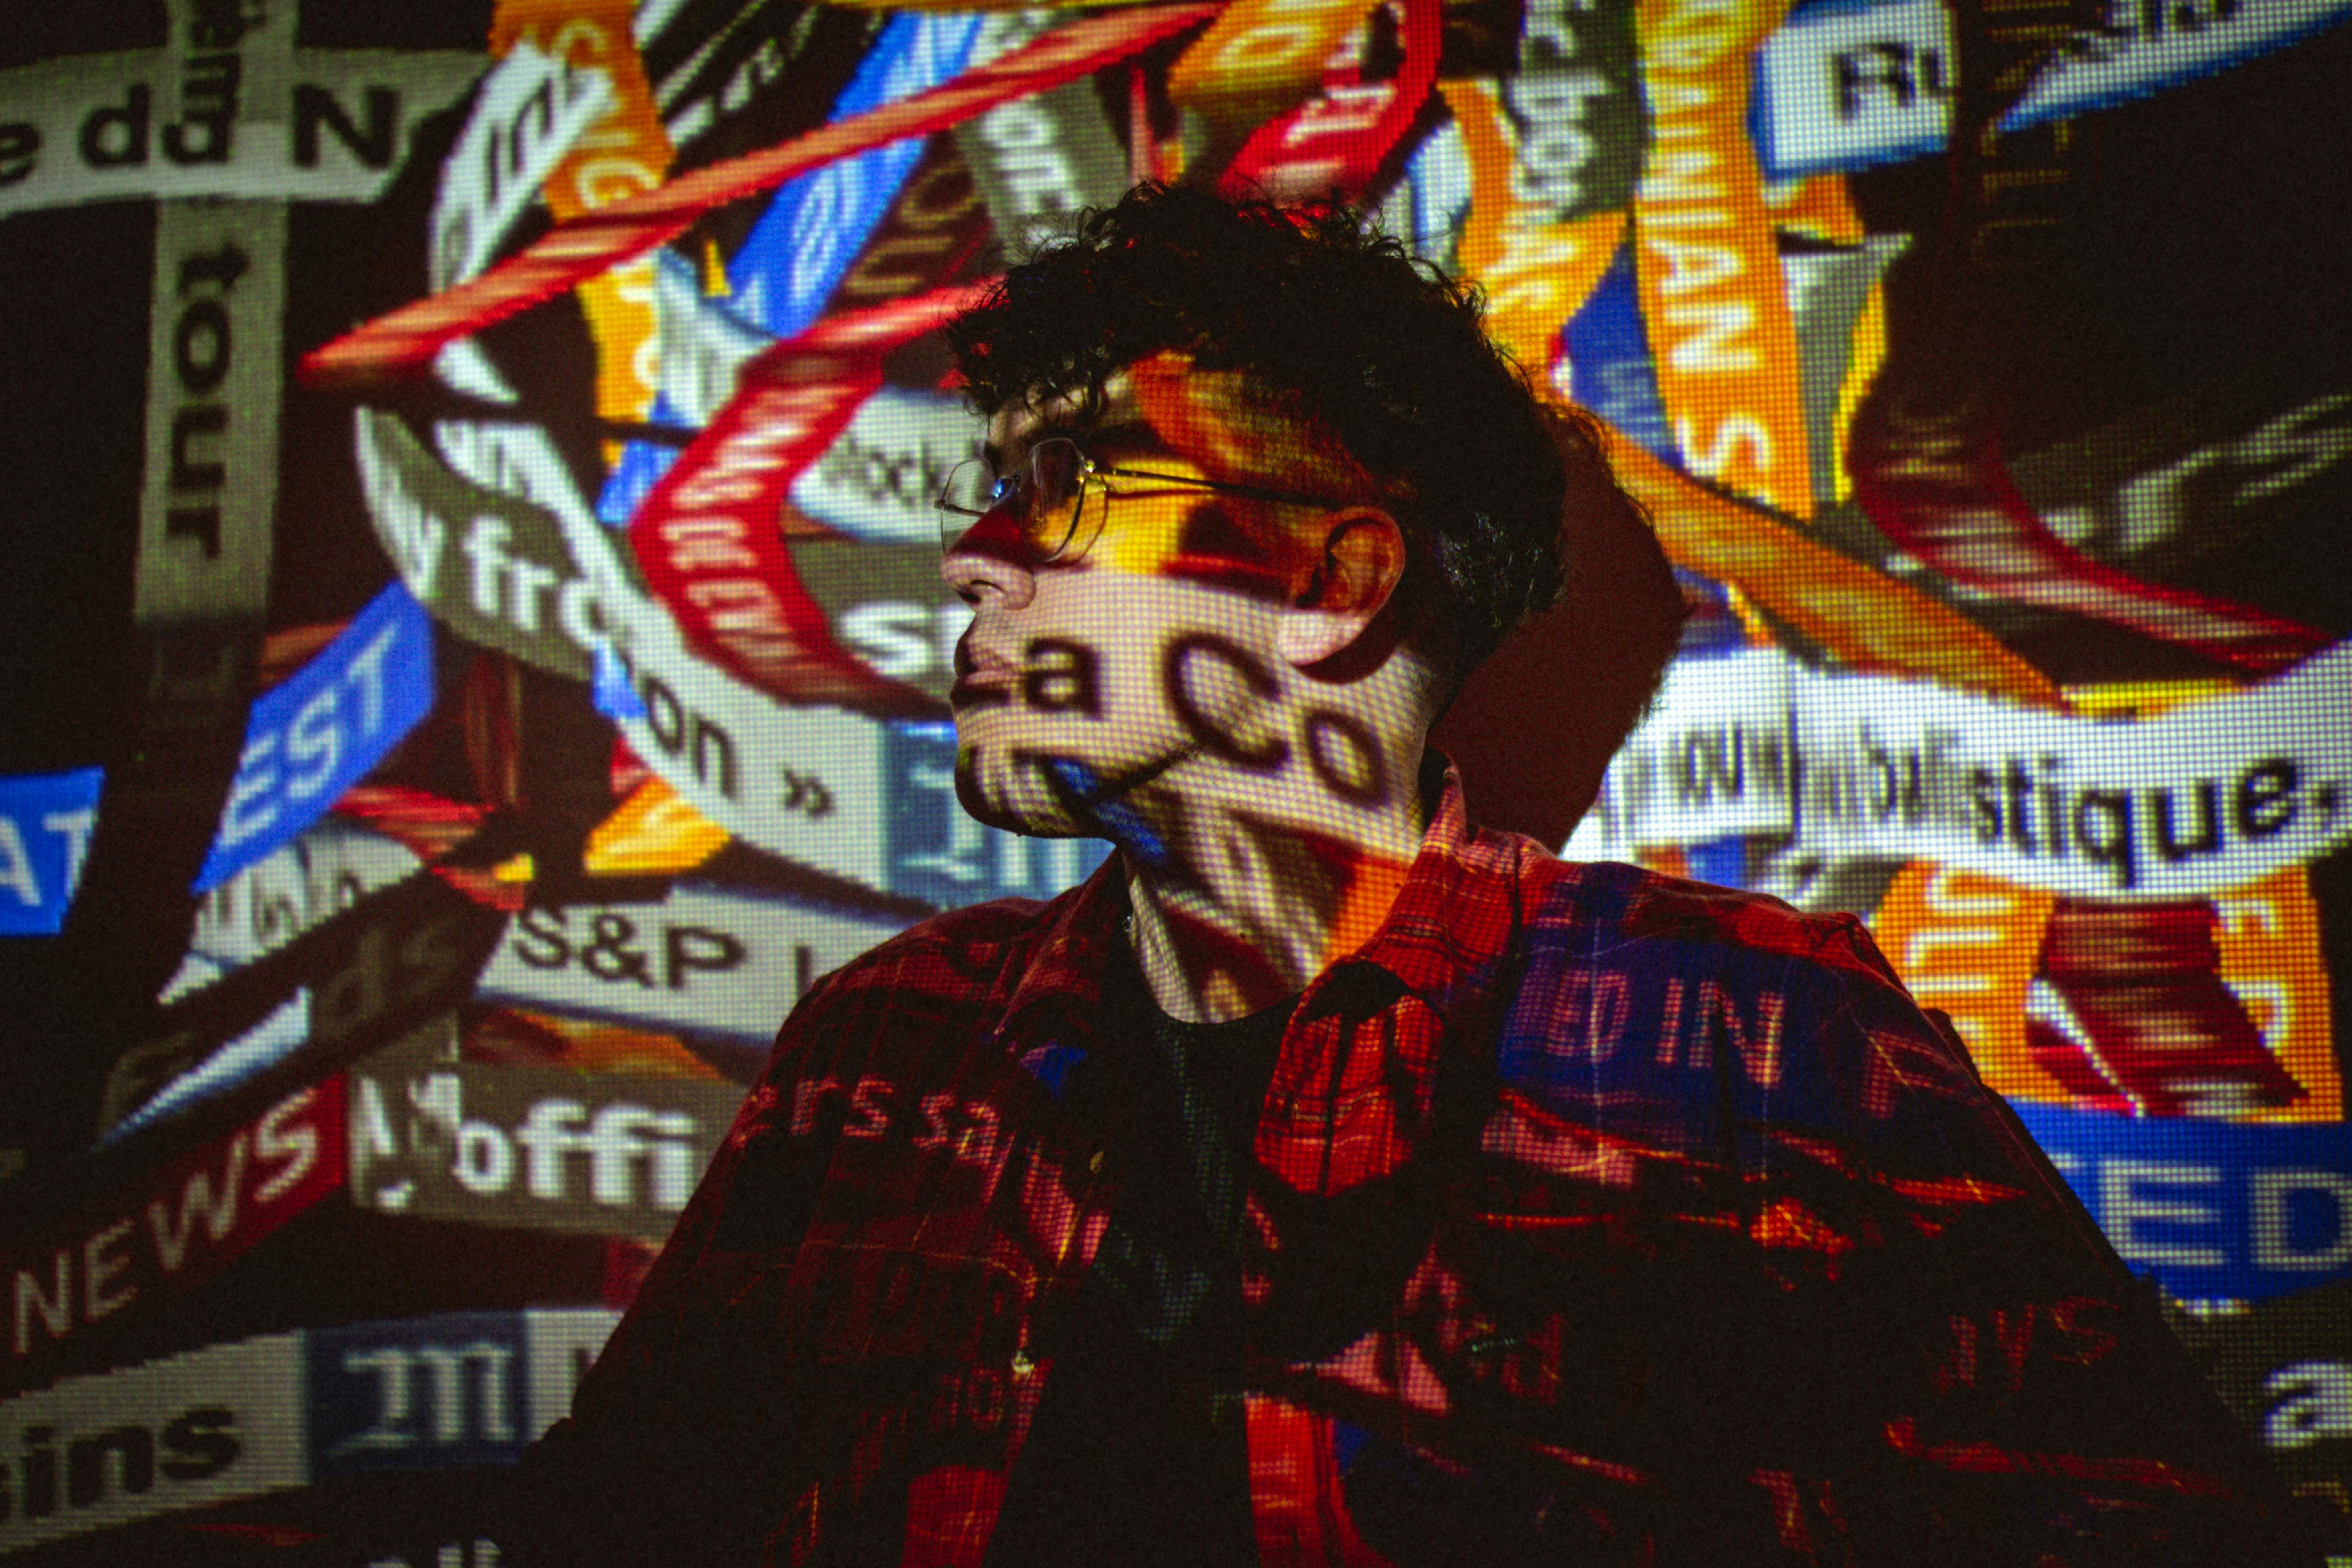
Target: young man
{"x": 1329, "y": 1180}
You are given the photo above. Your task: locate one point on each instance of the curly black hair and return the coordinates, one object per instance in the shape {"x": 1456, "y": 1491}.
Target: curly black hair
{"x": 1338, "y": 324}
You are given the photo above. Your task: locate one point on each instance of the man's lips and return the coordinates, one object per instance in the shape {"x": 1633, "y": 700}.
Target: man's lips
{"x": 980, "y": 691}
{"x": 983, "y": 677}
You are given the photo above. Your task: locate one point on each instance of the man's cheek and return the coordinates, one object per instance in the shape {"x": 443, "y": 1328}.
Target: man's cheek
{"x": 1223, "y": 695}
{"x": 1201, "y": 547}
{"x": 1145, "y": 536}
{"x": 1062, "y": 675}
{"x": 1246, "y": 581}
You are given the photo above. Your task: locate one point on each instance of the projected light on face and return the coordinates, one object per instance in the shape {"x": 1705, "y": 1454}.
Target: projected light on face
{"x": 1126, "y": 576}
{"x": 1158, "y": 654}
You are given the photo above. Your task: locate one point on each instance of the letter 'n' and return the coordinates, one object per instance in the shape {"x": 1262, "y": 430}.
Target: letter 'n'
{"x": 1758, "y": 1052}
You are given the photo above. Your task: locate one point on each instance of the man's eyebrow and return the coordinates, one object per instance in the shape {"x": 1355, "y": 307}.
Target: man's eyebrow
{"x": 1120, "y": 432}
{"x": 1123, "y": 432}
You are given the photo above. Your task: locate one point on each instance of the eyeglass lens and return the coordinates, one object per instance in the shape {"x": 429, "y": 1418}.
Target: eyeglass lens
{"x": 1042, "y": 497}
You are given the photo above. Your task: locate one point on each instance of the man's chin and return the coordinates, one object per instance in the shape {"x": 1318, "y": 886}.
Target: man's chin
{"x": 1015, "y": 793}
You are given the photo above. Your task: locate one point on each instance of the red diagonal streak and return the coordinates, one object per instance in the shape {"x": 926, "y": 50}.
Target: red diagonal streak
{"x": 706, "y": 535}
{"x": 405, "y": 340}
{"x": 879, "y": 328}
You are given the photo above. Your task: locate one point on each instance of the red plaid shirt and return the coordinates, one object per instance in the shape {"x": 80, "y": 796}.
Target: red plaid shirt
{"x": 1691, "y": 1240}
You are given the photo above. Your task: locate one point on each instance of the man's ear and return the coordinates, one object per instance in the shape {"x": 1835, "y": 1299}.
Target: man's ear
{"x": 1361, "y": 563}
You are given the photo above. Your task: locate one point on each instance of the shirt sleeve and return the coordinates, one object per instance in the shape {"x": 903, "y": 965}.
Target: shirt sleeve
{"x": 657, "y": 1462}
{"x": 2009, "y": 1390}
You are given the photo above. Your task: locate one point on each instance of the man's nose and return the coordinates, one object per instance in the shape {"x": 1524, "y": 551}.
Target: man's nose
{"x": 990, "y": 562}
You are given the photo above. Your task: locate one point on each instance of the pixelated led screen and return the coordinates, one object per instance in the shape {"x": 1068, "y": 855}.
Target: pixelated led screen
{"x": 399, "y": 781}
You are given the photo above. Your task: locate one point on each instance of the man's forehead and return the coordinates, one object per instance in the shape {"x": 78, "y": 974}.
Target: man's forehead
{"x": 1118, "y": 414}
{"x": 1016, "y": 427}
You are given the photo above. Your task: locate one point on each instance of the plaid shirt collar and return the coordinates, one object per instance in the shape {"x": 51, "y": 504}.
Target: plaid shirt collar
{"x": 1443, "y": 940}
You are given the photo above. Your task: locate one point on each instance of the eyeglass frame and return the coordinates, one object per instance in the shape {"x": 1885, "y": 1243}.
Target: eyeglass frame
{"x": 1088, "y": 469}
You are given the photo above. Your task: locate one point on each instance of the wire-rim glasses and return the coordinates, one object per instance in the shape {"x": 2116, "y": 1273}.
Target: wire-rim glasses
{"x": 1047, "y": 496}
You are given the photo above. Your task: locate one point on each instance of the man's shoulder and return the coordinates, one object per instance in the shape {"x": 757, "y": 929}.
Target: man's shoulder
{"x": 1654, "y": 994}
{"x": 1607, "y": 907}
{"x": 1611, "y": 952}
{"x": 961, "y": 956}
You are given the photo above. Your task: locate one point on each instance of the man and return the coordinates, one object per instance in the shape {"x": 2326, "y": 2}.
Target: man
{"x": 1329, "y": 1180}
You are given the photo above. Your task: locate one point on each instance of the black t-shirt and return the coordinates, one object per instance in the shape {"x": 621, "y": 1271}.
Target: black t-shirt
{"x": 1138, "y": 1456}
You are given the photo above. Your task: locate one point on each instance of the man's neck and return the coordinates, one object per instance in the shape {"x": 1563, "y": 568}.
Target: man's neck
{"x": 1257, "y": 894}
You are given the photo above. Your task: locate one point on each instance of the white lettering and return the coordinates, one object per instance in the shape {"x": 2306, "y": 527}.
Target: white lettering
{"x": 2124, "y": 1208}
{"x": 197, "y": 1197}
{"x": 2269, "y": 1196}
{"x": 2316, "y": 1402}
{"x": 366, "y": 672}
{"x": 55, "y": 1307}
{"x": 313, "y": 736}
{"x": 76, "y": 827}
{"x": 485, "y": 546}
{"x": 255, "y": 781}
{"x": 100, "y": 1265}
{"x": 16, "y": 866}
{"x": 1713, "y": 348}
{"x": 296, "y": 1145}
